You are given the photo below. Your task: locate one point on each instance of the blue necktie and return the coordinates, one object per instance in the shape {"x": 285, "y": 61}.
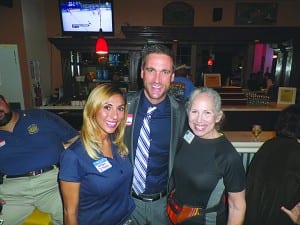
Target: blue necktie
{"x": 142, "y": 154}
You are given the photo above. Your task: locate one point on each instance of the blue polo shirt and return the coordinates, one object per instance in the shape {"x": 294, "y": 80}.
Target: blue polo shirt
{"x": 104, "y": 196}
{"x": 35, "y": 143}
{"x": 160, "y": 130}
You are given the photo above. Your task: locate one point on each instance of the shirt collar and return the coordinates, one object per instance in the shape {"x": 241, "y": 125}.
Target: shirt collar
{"x": 145, "y": 103}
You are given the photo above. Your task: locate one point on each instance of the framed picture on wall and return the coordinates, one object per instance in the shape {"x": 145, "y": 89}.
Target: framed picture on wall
{"x": 286, "y": 95}
{"x": 178, "y": 13}
{"x": 256, "y": 13}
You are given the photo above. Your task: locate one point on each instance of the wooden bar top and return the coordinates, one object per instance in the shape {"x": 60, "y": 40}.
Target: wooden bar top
{"x": 270, "y": 107}
{"x": 247, "y": 136}
{"x": 61, "y": 107}
{"x": 244, "y": 142}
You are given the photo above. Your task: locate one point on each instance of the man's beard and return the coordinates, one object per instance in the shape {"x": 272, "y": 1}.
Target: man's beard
{"x": 6, "y": 118}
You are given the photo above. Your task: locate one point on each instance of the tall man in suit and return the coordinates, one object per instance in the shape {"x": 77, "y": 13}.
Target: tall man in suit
{"x": 167, "y": 122}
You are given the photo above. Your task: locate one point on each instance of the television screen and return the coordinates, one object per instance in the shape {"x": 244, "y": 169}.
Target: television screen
{"x": 84, "y": 17}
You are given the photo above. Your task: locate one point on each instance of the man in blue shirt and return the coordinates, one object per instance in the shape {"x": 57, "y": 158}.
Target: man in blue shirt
{"x": 182, "y": 86}
{"x": 166, "y": 125}
{"x": 31, "y": 142}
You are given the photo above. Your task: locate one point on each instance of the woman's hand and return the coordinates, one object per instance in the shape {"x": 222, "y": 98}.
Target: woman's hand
{"x": 2, "y": 202}
{"x": 294, "y": 213}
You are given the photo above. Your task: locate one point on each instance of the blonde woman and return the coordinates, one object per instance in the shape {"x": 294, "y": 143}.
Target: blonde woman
{"x": 95, "y": 174}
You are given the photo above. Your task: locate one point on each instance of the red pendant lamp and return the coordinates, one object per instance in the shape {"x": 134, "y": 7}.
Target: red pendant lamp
{"x": 101, "y": 44}
{"x": 210, "y": 62}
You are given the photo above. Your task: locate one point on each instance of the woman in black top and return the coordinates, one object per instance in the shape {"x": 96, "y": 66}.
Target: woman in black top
{"x": 273, "y": 178}
{"x": 208, "y": 171}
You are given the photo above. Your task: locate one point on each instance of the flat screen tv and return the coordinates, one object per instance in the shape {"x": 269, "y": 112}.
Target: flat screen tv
{"x": 82, "y": 17}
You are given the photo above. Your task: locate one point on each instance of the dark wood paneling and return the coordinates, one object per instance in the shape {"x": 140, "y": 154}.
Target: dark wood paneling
{"x": 138, "y": 36}
{"x": 87, "y": 44}
{"x": 212, "y": 34}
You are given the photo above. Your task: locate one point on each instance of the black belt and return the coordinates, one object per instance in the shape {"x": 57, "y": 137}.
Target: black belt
{"x": 149, "y": 197}
{"x": 32, "y": 173}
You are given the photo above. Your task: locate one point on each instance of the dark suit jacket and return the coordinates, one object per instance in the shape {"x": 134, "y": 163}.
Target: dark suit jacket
{"x": 178, "y": 118}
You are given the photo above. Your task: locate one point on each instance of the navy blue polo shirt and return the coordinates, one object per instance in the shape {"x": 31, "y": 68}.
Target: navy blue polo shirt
{"x": 35, "y": 143}
{"x": 160, "y": 130}
{"x": 104, "y": 196}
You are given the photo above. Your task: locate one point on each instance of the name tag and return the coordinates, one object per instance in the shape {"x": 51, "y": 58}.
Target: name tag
{"x": 188, "y": 136}
{"x": 129, "y": 120}
{"x": 102, "y": 165}
{"x": 2, "y": 142}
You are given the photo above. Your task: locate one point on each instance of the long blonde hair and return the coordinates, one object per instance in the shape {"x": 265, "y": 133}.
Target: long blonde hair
{"x": 90, "y": 129}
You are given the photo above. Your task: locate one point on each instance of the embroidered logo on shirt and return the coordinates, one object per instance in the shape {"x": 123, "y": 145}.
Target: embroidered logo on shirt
{"x": 2, "y": 142}
{"x": 32, "y": 129}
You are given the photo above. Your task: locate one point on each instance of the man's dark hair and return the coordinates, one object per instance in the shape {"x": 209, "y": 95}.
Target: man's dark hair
{"x": 159, "y": 49}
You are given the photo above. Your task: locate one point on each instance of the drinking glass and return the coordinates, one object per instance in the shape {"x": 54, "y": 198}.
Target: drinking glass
{"x": 256, "y": 131}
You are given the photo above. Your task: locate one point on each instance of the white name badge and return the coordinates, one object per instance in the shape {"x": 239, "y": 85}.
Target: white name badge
{"x": 102, "y": 165}
{"x": 129, "y": 120}
{"x": 189, "y": 136}
{"x": 2, "y": 143}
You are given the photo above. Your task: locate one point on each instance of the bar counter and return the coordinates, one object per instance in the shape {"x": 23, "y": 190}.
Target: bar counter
{"x": 247, "y": 136}
{"x": 244, "y": 143}
{"x": 226, "y": 108}
{"x": 237, "y": 117}
{"x": 270, "y": 107}
{"x": 242, "y": 117}
{"x": 61, "y": 107}
{"x": 239, "y": 123}
{"x": 72, "y": 114}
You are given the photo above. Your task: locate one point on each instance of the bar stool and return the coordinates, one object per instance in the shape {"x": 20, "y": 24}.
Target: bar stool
{"x": 37, "y": 218}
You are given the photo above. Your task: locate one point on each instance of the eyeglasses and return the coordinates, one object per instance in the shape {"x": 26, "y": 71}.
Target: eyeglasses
{"x": 153, "y": 71}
